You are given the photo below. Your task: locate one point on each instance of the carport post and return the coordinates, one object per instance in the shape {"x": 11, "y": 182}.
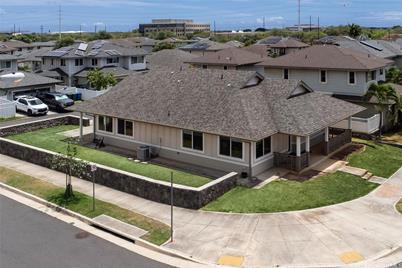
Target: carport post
{"x": 308, "y": 144}
{"x": 81, "y": 129}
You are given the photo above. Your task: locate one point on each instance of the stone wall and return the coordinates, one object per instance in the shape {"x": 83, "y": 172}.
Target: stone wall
{"x": 184, "y": 196}
{"x": 40, "y": 124}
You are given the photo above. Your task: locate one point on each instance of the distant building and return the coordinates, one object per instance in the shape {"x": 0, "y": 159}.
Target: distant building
{"x": 303, "y": 28}
{"x": 279, "y": 46}
{"x": 177, "y": 26}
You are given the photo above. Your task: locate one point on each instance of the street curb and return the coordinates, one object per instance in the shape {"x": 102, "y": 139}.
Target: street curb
{"x": 138, "y": 241}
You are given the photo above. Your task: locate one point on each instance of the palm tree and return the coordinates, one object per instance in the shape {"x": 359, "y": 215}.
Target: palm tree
{"x": 387, "y": 99}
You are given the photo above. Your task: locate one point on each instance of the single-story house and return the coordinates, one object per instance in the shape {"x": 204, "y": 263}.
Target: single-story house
{"x": 225, "y": 120}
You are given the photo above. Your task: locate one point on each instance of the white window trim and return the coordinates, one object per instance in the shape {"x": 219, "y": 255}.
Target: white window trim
{"x": 190, "y": 149}
{"x": 348, "y": 78}
{"x": 117, "y": 128}
{"x": 104, "y": 131}
{"x": 326, "y": 76}
{"x": 264, "y": 157}
{"x": 242, "y": 159}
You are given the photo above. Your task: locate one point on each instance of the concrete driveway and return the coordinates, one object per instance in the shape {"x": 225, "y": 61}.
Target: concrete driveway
{"x": 357, "y": 231}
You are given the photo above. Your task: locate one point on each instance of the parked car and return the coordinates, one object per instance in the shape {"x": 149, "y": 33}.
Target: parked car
{"x": 56, "y": 101}
{"x": 31, "y": 105}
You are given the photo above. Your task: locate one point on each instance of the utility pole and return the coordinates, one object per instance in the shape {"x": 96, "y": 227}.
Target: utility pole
{"x": 41, "y": 32}
{"x": 310, "y": 23}
{"x": 14, "y": 30}
{"x": 263, "y": 22}
{"x": 299, "y": 28}
{"x": 95, "y": 28}
{"x": 59, "y": 22}
{"x": 214, "y": 28}
{"x": 80, "y": 30}
{"x": 318, "y": 29}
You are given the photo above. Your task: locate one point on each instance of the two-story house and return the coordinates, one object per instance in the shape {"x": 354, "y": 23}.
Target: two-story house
{"x": 70, "y": 61}
{"x": 8, "y": 63}
{"x": 344, "y": 73}
{"x": 278, "y": 46}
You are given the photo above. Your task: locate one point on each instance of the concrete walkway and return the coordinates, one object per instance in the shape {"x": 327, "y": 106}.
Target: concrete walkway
{"x": 360, "y": 230}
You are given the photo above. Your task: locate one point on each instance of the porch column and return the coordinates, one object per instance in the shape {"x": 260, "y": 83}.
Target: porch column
{"x": 250, "y": 168}
{"x": 350, "y": 123}
{"x": 326, "y": 134}
{"x": 81, "y": 126}
{"x": 298, "y": 146}
{"x": 94, "y": 126}
{"x": 308, "y": 144}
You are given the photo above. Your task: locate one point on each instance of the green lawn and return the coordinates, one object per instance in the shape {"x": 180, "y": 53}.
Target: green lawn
{"x": 280, "y": 196}
{"x": 51, "y": 139}
{"x": 380, "y": 159}
{"x": 5, "y": 119}
{"x": 158, "y": 232}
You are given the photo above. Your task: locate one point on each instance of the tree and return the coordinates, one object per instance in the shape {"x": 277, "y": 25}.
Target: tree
{"x": 163, "y": 45}
{"x": 71, "y": 166}
{"x": 355, "y": 30}
{"x": 260, "y": 30}
{"x": 101, "y": 35}
{"x": 388, "y": 99}
{"x": 64, "y": 42}
{"x": 394, "y": 75}
{"x": 99, "y": 80}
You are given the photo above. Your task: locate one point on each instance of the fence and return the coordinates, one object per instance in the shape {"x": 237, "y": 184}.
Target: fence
{"x": 7, "y": 108}
{"x": 368, "y": 125}
{"x": 86, "y": 94}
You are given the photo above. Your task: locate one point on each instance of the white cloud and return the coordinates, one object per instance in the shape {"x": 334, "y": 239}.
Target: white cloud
{"x": 384, "y": 16}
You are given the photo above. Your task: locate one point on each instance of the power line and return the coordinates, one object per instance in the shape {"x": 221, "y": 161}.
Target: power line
{"x": 59, "y": 22}
{"x": 299, "y": 28}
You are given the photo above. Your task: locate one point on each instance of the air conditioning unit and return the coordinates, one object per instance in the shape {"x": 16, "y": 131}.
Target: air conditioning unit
{"x": 144, "y": 153}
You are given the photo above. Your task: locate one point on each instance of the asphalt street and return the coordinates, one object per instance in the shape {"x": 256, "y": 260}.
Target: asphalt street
{"x": 29, "y": 238}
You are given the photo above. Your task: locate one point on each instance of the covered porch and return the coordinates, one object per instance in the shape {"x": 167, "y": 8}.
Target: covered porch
{"x": 302, "y": 148}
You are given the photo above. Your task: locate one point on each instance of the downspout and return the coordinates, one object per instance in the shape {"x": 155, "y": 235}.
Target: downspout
{"x": 250, "y": 169}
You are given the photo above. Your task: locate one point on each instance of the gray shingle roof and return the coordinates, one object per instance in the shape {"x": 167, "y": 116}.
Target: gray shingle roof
{"x": 327, "y": 57}
{"x": 218, "y": 102}
{"x": 229, "y": 56}
{"x": 205, "y": 45}
{"x": 281, "y": 42}
{"x": 30, "y": 79}
{"x": 173, "y": 59}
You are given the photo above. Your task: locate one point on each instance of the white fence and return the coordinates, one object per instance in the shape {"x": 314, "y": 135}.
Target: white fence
{"x": 86, "y": 94}
{"x": 362, "y": 125}
{"x": 7, "y": 108}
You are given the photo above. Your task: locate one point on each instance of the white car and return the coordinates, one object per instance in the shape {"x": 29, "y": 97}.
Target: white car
{"x": 31, "y": 105}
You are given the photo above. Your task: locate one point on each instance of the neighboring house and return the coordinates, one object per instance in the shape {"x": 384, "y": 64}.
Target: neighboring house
{"x": 331, "y": 69}
{"x": 170, "y": 59}
{"x": 279, "y": 46}
{"x": 19, "y": 46}
{"x": 235, "y": 43}
{"x": 8, "y": 63}
{"x": 118, "y": 72}
{"x": 204, "y": 47}
{"x": 179, "y": 27}
{"x": 137, "y": 42}
{"x": 225, "y": 120}
{"x": 228, "y": 59}
{"x": 5, "y": 49}
{"x": 71, "y": 60}
{"x": 48, "y": 44}
{"x": 30, "y": 84}
{"x": 380, "y": 48}
{"x": 32, "y": 60}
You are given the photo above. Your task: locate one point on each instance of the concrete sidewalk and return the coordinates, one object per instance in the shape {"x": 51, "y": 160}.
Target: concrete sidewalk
{"x": 360, "y": 230}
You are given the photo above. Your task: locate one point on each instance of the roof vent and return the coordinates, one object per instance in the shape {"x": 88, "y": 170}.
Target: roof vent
{"x": 229, "y": 85}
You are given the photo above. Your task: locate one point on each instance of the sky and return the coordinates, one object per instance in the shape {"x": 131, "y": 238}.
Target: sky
{"x": 125, "y": 15}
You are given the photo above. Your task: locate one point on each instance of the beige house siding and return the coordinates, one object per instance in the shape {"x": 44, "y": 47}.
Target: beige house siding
{"x": 167, "y": 142}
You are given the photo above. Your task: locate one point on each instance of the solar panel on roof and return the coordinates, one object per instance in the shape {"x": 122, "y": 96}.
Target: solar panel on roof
{"x": 79, "y": 53}
{"x": 93, "y": 52}
{"x": 98, "y": 44}
{"x": 371, "y": 45}
{"x": 57, "y": 53}
{"x": 83, "y": 46}
{"x": 112, "y": 52}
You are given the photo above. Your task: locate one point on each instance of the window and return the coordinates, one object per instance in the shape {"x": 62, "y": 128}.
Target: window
{"x": 94, "y": 62}
{"x": 204, "y": 66}
{"x": 23, "y": 101}
{"x": 125, "y": 127}
{"x": 225, "y": 67}
{"x": 112, "y": 60}
{"x": 105, "y": 123}
{"x": 230, "y": 147}
{"x": 285, "y": 73}
{"x": 263, "y": 147}
{"x": 62, "y": 62}
{"x": 373, "y": 75}
{"x": 79, "y": 62}
{"x": 352, "y": 78}
{"x": 193, "y": 140}
{"x": 52, "y": 62}
{"x": 323, "y": 76}
{"x": 134, "y": 60}
{"x": 381, "y": 71}
{"x": 5, "y": 64}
